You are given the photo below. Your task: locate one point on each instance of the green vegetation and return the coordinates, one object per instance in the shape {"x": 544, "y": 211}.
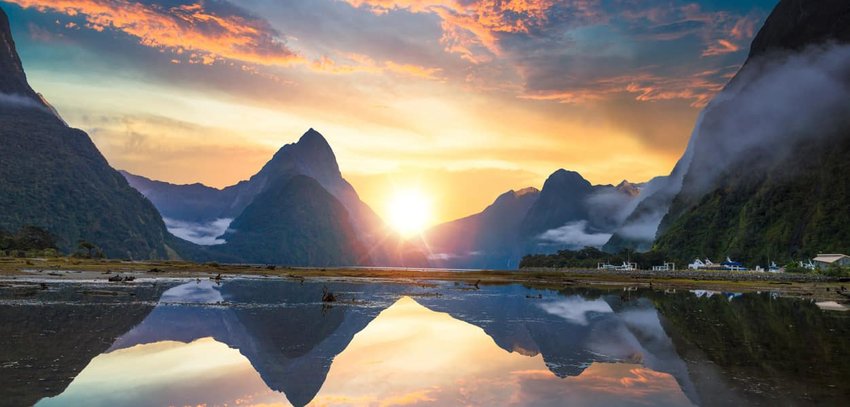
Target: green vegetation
{"x": 28, "y": 241}
{"x": 53, "y": 177}
{"x": 294, "y": 222}
{"x": 836, "y": 271}
{"x": 766, "y": 209}
{"x": 590, "y": 257}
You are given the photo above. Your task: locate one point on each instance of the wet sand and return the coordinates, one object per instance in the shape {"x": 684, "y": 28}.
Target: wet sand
{"x": 47, "y": 270}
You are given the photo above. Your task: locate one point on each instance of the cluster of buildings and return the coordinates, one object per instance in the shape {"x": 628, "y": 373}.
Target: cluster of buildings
{"x": 728, "y": 265}
{"x": 821, "y": 262}
{"x": 626, "y": 266}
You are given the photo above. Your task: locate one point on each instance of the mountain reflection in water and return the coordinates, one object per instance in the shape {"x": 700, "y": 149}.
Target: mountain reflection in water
{"x": 407, "y": 355}
{"x": 271, "y": 342}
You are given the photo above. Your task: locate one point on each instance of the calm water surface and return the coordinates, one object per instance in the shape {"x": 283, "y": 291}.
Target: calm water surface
{"x": 273, "y": 343}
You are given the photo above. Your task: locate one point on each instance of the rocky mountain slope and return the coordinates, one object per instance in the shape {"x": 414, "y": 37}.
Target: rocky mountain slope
{"x": 297, "y": 223}
{"x": 769, "y": 174}
{"x": 53, "y": 176}
{"x": 488, "y": 239}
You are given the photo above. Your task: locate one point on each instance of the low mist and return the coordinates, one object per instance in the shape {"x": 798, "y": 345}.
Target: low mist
{"x": 16, "y": 100}
{"x": 206, "y": 234}
{"x": 574, "y": 235}
{"x": 775, "y": 102}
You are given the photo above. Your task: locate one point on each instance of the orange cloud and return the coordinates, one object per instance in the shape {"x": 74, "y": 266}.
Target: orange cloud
{"x": 185, "y": 30}
{"x": 744, "y": 28}
{"x": 467, "y": 25}
{"x": 699, "y": 88}
{"x": 719, "y": 48}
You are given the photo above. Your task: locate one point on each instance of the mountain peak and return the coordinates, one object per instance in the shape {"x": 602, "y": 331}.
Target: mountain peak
{"x": 311, "y": 156}
{"x": 564, "y": 177}
{"x": 13, "y": 80}
{"x": 314, "y": 144}
{"x": 312, "y": 136}
{"x": 628, "y": 188}
{"x": 526, "y": 191}
{"x": 513, "y": 195}
{"x": 795, "y": 24}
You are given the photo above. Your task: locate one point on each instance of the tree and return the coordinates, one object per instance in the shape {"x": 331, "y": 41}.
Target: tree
{"x": 33, "y": 238}
{"x": 88, "y": 247}
{"x": 5, "y": 240}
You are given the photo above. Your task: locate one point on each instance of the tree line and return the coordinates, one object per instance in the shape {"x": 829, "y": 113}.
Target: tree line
{"x": 29, "y": 241}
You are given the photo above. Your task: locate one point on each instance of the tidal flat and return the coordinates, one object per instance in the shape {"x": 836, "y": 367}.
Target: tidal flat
{"x": 807, "y": 286}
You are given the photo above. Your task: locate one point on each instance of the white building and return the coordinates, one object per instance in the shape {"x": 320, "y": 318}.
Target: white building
{"x": 702, "y": 264}
{"x": 665, "y": 267}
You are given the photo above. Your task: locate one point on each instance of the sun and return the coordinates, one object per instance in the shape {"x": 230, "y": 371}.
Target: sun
{"x": 409, "y": 211}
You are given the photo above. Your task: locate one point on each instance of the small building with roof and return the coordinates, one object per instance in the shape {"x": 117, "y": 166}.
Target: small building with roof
{"x": 823, "y": 261}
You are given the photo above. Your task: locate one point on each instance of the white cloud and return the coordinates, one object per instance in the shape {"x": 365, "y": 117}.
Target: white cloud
{"x": 574, "y": 235}
{"x": 19, "y": 100}
{"x": 206, "y": 234}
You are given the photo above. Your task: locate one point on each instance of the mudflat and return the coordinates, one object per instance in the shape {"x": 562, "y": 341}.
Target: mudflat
{"x": 45, "y": 270}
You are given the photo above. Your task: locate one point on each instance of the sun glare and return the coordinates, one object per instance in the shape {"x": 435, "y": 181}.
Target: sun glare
{"x": 409, "y": 211}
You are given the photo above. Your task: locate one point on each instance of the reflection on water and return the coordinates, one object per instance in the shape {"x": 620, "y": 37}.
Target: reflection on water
{"x": 203, "y": 372}
{"x": 407, "y": 355}
{"x": 412, "y": 355}
{"x": 272, "y": 342}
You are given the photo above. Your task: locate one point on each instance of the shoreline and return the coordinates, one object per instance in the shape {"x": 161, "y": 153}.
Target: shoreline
{"x": 46, "y": 270}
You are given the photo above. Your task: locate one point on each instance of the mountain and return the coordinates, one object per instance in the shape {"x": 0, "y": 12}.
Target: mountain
{"x": 568, "y": 213}
{"x": 13, "y": 82}
{"x": 487, "y": 239}
{"x": 196, "y": 203}
{"x": 628, "y": 188}
{"x": 572, "y": 214}
{"x": 297, "y": 210}
{"x": 797, "y": 24}
{"x": 768, "y": 175}
{"x": 53, "y": 176}
{"x": 311, "y": 156}
{"x": 638, "y": 229}
{"x": 295, "y": 222}
{"x": 561, "y": 201}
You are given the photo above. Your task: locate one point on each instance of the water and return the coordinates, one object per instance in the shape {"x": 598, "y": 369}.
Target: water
{"x": 272, "y": 342}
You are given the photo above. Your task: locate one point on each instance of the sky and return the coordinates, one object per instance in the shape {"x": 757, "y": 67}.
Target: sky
{"x": 461, "y": 99}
